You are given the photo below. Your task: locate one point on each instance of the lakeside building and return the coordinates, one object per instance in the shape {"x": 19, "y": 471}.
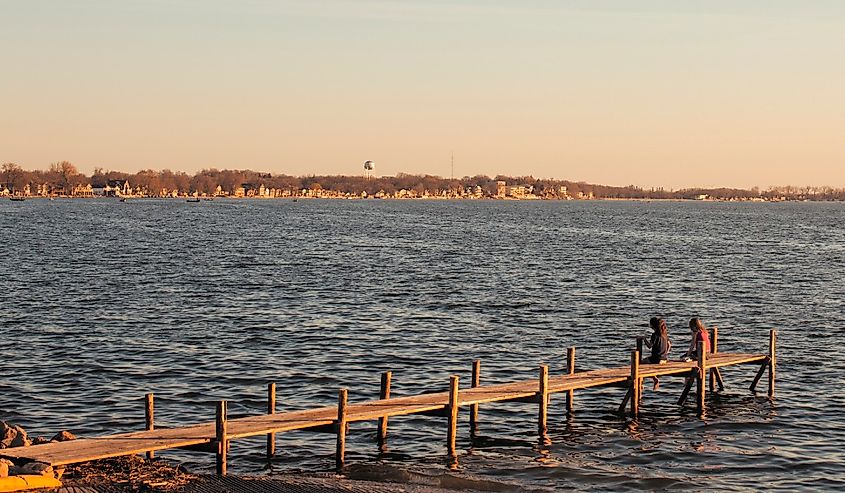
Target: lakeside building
{"x": 83, "y": 191}
{"x": 563, "y": 192}
{"x": 117, "y": 188}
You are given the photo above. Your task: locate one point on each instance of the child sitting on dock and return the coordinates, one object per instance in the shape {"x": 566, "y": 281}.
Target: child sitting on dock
{"x": 659, "y": 344}
{"x": 699, "y": 334}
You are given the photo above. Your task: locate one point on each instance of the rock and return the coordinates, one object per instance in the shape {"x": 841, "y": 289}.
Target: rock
{"x": 36, "y": 468}
{"x": 4, "y": 469}
{"x": 39, "y": 440}
{"x": 63, "y": 436}
{"x": 12, "y": 436}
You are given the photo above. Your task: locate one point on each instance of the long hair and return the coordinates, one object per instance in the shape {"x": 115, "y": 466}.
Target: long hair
{"x": 664, "y": 331}
{"x": 695, "y": 323}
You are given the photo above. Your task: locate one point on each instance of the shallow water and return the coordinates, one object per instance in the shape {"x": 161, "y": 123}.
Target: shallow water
{"x": 104, "y": 301}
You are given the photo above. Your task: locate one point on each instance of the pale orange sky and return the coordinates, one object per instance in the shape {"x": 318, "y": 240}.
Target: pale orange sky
{"x": 664, "y": 93}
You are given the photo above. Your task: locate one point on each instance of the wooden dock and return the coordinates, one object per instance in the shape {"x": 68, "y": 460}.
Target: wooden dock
{"x": 214, "y": 436}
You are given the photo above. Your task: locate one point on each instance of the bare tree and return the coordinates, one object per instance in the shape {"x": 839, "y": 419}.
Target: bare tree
{"x": 66, "y": 173}
{"x": 12, "y": 175}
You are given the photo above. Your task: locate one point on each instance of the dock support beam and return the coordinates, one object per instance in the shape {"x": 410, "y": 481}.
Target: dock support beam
{"x": 342, "y": 400}
{"x": 759, "y": 375}
{"x": 149, "y": 418}
{"x": 452, "y": 410}
{"x": 570, "y": 368}
{"x": 687, "y": 387}
{"x": 772, "y": 361}
{"x": 221, "y": 436}
{"x": 271, "y": 409}
{"x": 701, "y": 377}
{"x": 384, "y": 393}
{"x": 635, "y": 383}
{"x": 473, "y": 409}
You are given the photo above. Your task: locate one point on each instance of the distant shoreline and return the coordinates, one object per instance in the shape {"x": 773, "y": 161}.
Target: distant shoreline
{"x": 483, "y": 199}
{"x": 63, "y": 179}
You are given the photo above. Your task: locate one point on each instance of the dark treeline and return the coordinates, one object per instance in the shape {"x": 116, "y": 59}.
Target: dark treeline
{"x": 61, "y": 177}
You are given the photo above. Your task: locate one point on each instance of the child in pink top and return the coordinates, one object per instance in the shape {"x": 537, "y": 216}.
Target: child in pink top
{"x": 699, "y": 334}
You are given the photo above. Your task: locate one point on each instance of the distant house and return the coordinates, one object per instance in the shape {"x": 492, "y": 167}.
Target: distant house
{"x": 501, "y": 189}
{"x": 86, "y": 191}
{"x": 117, "y": 188}
{"x": 246, "y": 190}
{"x": 563, "y": 191}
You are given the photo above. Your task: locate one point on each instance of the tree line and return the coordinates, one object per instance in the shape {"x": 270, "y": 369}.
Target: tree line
{"x": 63, "y": 176}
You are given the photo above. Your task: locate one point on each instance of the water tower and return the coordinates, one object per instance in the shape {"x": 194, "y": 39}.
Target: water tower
{"x": 369, "y": 166}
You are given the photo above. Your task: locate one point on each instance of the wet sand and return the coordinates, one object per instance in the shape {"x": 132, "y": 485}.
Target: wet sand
{"x": 251, "y": 484}
{"x": 135, "y": 474}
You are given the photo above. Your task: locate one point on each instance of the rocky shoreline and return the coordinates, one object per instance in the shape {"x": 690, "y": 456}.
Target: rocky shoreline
{"x": 137, "y": 474}
{"x": 12, "y": 435}
{"x": 131, "y": 473}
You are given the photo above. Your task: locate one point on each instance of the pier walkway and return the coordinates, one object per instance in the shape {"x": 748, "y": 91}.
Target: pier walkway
{"x": 214, "y": 436}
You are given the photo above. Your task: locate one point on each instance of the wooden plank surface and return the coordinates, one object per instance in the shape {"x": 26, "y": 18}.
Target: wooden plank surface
{"x": 85, "y": 449}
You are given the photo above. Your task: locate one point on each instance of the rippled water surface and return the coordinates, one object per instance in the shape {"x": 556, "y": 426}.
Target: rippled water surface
{"x": 104, "y": 301}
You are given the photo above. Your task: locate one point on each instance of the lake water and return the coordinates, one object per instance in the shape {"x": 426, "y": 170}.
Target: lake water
{"x": 104, "y": 301}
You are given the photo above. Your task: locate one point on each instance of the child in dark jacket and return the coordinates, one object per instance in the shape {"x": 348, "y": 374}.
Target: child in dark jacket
{"x": 659, "y": 344}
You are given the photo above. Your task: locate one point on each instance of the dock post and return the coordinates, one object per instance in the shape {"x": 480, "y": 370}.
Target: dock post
{"x": 772, "y": 361}
{"x": 221, "y": 436}
{"x": 342, "y": 400}
{"x": 453, "y": 415}
{"x": 543, "y": 397}
{"x": 473, "y": 409}
{"x": 384, "y": 393}
{"x": 714, "y": 341}
{"x": 700, "y": 379}
{"x": 271, "y": 409}
{"x": 640, "y": 342}
{"x": 714, "y": 348}
{"x": 570, "y": 368}
{"x": 635, "y": 383}
{"x": 149, "y": 418}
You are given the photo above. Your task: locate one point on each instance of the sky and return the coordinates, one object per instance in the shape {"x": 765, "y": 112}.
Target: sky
{"x": 671, "y": 93}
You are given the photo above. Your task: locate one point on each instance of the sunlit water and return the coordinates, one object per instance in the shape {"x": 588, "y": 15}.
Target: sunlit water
{"x": 104, "y": 301}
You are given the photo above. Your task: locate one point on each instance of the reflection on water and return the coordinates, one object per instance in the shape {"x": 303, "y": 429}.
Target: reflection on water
{"x": 105, "y": 301}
